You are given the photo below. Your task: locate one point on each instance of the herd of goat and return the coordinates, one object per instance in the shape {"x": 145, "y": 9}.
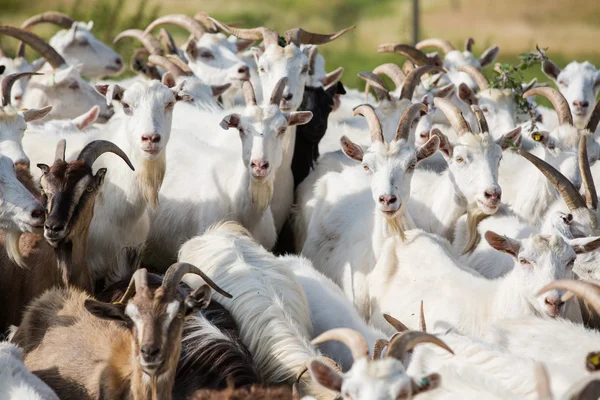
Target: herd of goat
{"x": 433, "y": 240}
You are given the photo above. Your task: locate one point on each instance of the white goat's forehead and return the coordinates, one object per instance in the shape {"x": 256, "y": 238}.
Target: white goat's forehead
{"x": 575, "y": 67}
{"x": 547, "y": 246}
{"x": 215, "y": 39}
{"x": 278, "y": 53}
{"x": 152, "y": 90}
{"x": 457, "y": 58}
{"x": 387, "y": 374}
{"x": 478, "y": 144}
{"x": 263, "y": 120}
{"x": 399, "y": 152}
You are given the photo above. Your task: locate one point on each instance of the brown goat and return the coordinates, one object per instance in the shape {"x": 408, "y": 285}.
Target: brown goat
{"x": 86, "y": 349}
{"x": 69, "y": 192}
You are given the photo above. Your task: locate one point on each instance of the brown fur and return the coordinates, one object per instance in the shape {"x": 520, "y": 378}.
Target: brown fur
{"x": 251, "y": 393}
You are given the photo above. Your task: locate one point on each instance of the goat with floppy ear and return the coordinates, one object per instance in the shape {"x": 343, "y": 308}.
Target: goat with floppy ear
{"x": 133, "y": 356}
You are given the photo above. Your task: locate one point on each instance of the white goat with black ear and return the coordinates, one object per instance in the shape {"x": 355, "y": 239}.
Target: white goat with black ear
{"x": 231, "y": 190}
{"x": 274, "y": 63}
{"x": 268, "y": 303}
{"x": 78, "y": 45}
{"x": 457, "y": 298}
{"x": 384, "y": 379}
{"x": 61, "y": 86}
{"x": 344, "y": 248}
{"x": 142, "y": 131}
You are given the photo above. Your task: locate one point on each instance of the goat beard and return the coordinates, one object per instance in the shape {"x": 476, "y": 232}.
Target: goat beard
{"x": 261, "y": 194}
{"x": 12, "y": 247}
{"x": 395, "y": 224}
{"x": 474, "y": 217}
{"x": 150, "y": 178}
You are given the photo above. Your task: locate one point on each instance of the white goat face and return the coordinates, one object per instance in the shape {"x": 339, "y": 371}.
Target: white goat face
{"x": 19, "y": 210}
{"x": 12, "y": 127}
{"x": 68, "y": 93}
{"x": 214, "y": 58}
{"x": 79, "y": 47}
{"x": 279, "y": 62}
{"x": 500, "y": 110}
{"x": 381, "y": 380}
{"x": 579, "y": 83}
{"x": 13, "y": 66}
{"x": 262, "y": 131}
{"x": 200, "y": 94}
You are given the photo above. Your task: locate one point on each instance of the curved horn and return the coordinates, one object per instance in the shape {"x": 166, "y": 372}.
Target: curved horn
{"x": 56, "y": 18}
{"x": 150, "y": 42}
{"x": 278, "y": 91}
{"x": 413, "y": 111}
{"x": 583, "y": 289}
{"x": 469, "y": 44}
{"x": 378, "y": 347}
{"x": 413, "y": 79}
{"x": 558, "y": 102}
{"x": 249, "y": 93}
{"x": 168, "y": 65}
{"x": 397, "y": 325}
{"x": 367, "y": 111}
{"x": 564, "y": 186}
{"x": 312, "y": 58}
{"x": 441, "y": 44}
{"x": 477, "y": 76}
{"x": 61, "y": 147}
{"x": 261, "y": 33}
{"x": 393, "y": 72}
{"x": 481, "y": 121}
{"x": 165, "y": 37}
{"x": 178, "y": 270}
{"x": 299, "y": 36}
{"x": 354, "y": 340}
{"x": 182, "y": 20}
{"x": 180, "y": 64}
{"x": 404, "y": 342}
{"x": 378, "y": 85}
{"x": 138, "y": 282}
{"x": 8, "y": 83}
{"x": 592, "y": 123}
{"x": 457, "y": 120}
{"x": 416, "y": 56}
{"x": 95, "y": 149}
{"x": 208, "y": 23}
{"x": 591, "y": 197}
{"x": 36, "y": 43}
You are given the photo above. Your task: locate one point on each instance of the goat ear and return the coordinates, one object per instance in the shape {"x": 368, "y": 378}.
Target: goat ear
{"x": 45, "y": 168}
{"x": 197, "y": 300}
{"x": 2, "y": 68}
{"x": 445, "y": 91}
{"x": 337, "y": 88}
{"x": 333, "y": 77}
{"x": 585, "y": 245}
{"x": 218, "y": 90}
{"x": 242, "y": 45}
{"x": 351, "y": 149}
{"x": 503, "y": 243}
{"x": 100, "y": 177}
{"x": 467, "y": 94}
{"x": 325, "y": 376}
{"x": 445, "y": 146}
{"x": 489, "y": 56}
{"x": 429, "y": 148}
{"x": 257, "y": 52}
{"x": 169, "y": 80}
{"x": 113, "y": 312}
{"x": 191, "y": 50}
{"x": 36, "y": 113}
{"x": 298, "y": 117}
{"x": 551, "y": 69}
{"x": 230, "y": 121}
{"x": 85, "y": 120}
{"x": 429, "y": 382}
{"x": 111, "y": 92}
{"x": 510, "y": 139}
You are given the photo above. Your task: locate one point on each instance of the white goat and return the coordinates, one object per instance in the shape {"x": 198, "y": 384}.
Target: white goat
{"x": 16, "y": 381}
{"x": 229, "y": 189}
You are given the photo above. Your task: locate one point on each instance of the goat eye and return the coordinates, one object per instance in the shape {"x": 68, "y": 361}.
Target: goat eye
{"x": 523, "y": 261}
{"x": 562, "y": 83}
{"x": 484, "y": 109}
{"x": 459, "y": 159}
{"x": 89, "y": 189}
{"x": 537, "y": 137}
{"x": 170, "y": 105}
{"x": 261, "y": 69}
{"x": 241, "y": 130}
{"x": 571, "y": 263}
{"x": 366, "y": 167}
{"x": 411, "y": 166}
{"x": 83, "y": 43}
{"x": 305, "y": 69}
{"x": 74, "y": 85}
{"x": 281, "y": 132}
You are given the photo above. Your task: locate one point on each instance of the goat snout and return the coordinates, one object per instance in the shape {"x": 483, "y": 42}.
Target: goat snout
{"x": 22, "y": 163}
{"x": 580, "y": 106}
{"x": 554, "y": 305}
{"x": 118, "y": 61}
{"x": 38, "y": 213}
{"x": 288, "y": 96}
{"x": 151, "y": 138}
{"x": 260, "y": 168}
{"x": 493, "y": 195}
{"x": 243, "y": 72}
{"x": 388, "y": 199}
{"x": 54, "y": 226}
{"x": 150, "y": 352}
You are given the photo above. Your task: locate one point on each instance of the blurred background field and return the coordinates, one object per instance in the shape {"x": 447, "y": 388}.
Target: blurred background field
{"x": 567, "y": 28}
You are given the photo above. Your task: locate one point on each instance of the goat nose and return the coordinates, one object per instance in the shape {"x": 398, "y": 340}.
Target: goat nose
{"x": 154, "y": 138}
{"x": 54, "y": 226}
{"x": 244, "y": 69}
{"x": 23, "y": 163}
{"x": 581, "y": 104}
{"x": 288, "y": 96}
{"x": 387, "y": 199}
{"x": 119, "y": 61}
{"x": 38, "y": 213}
{"x": 150, "y": 351}
{"x": 493, "y": 194}
{"x": 260, "y": 164}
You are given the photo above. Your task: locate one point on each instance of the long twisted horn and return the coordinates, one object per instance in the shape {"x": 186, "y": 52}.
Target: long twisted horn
{"x": 413, "y": 111}
{"x": 564, "y": 186}
{"x": 404, "y": 342}
{"x": 249, "y": 94}
{"x": 469, "y": 44}
{"x": 477, "y": 76}
{"x": 299, "y": 36}
{"x": 457, "y": 120}
{"x": 8, "y": 83}
{"x": 36, "y": 43}
{"x": 182, "y": 20}
{"x": 53, "y": 17}
{"x": 178, "y": 270}
{"x": 416, "y": 56}
{"x": 441, "y": 44}
{"x": 558, "y": 101}
{"x": 354, "y": 340}
{"x": 481, "y": 121}
{"x": 261, "y": 33}
{"x": 278, "y": 91}
{"x": 138, "y": 282}
{"x": 367, "y": 111}
{"x": 150, "y": 42}
{"x": 374, "y": 81}
{"x": 95, "y": 149}
{"x": 413, "y": 79}
{"x": 583, "y": 289}
{"x": 591, "y": 197}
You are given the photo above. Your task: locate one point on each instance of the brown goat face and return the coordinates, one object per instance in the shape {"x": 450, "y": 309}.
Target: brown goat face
{"x": 68, "y": 192}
